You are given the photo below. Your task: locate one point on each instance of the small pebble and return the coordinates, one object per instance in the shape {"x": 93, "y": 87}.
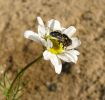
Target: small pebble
{"x": 52, "y": 87}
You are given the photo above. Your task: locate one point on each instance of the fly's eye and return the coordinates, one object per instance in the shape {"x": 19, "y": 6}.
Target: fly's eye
{"x": 53, "y": 34}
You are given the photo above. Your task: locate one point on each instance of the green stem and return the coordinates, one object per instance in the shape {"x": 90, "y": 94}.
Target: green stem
{"x": 22, "y": 71}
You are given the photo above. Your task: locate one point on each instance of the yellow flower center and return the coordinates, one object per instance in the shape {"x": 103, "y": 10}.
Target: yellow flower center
{"x": 57, "y": 47}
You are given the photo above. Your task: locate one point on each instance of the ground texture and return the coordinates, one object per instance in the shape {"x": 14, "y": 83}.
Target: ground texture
{"x": 82, "y": 81}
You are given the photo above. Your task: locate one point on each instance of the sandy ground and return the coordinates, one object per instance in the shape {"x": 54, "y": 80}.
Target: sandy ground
{"x": 82, "y": 81}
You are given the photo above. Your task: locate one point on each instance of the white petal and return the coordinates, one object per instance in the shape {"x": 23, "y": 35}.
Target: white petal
{"x": 62, "y": 29}
{"x": 40, "y": 21}
{"x": 31, "y": 35}
{"x": 54, "y": 25}
{"x": 35, "y": 37}
{"x": 54, "y": 60}
{"x": 72, "y": 57}
{"x": 41, "y": 30}
{"x": 56, "y": 63}
{"x": 74, "y": 52}
{"x": 64, "y": 57}
{"x": 46, "y": 55}
{"x": 49, "y": 44}
{"x": 75, "y": 43}
{"x": 43, "y": 41}
{"x": 70, "y": 31}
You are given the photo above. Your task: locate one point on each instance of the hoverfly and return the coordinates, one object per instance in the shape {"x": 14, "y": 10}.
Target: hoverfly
{"x": 62, "y": 38}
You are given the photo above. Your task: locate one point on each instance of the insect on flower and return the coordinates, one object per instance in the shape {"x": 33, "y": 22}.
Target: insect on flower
{"x": 59, "y": 43}
{"x": 66, "y": 41}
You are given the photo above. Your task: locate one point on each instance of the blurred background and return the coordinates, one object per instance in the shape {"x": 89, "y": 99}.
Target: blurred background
{"x": 82, "y": 81}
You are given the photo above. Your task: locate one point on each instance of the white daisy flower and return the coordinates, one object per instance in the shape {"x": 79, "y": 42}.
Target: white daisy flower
{"x": 58, "y": 41}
